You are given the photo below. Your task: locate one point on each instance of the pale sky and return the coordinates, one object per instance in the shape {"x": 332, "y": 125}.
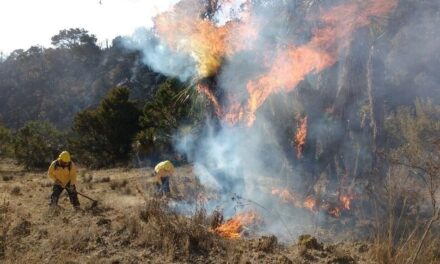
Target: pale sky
{"x": 24, "y": 23}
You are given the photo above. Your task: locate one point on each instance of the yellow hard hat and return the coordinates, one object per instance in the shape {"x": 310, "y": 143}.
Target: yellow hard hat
{"x": 64, "y": 156}
{"x": 165, "y": 166}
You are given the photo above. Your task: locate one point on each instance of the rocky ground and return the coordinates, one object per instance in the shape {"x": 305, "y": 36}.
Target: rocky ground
{"x": 128, "y": 226}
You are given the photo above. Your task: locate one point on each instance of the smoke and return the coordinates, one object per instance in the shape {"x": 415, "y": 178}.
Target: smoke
{"x": 276, "y": 63}
{"x": 159, "y": 57}
{"x": 242, "y": 165}
{"x": 414, "y": 54}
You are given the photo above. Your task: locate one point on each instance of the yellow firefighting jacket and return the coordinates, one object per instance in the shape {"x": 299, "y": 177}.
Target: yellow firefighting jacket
{"x": 63, "y": 174}
{"x": 163, "y": 169}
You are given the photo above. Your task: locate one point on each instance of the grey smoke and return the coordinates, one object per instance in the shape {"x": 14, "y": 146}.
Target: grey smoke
{"x": 249, "y": 162}
{"x": 159, "y": 57}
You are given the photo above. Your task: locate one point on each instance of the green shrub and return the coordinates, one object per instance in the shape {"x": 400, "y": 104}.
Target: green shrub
{"x": 162, "y": 116}
{"x": 37, "y": 144}
{"x": 6, "y": 143}
{"x": 103, "y": 136}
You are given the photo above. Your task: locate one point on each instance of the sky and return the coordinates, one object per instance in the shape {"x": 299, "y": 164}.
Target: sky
{"x": 25, "y": 23}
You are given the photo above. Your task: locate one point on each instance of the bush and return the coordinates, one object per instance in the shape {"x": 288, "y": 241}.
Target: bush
{"x": 6, "y": 143}
{"x": 37, "y": 144}
{"x": 103, "y": 136}
{"x": 162, "y": 116}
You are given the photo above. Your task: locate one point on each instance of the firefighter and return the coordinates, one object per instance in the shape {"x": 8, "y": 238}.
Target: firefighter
{"x": 63, "y": 172}
{"x": 163, "y": 171}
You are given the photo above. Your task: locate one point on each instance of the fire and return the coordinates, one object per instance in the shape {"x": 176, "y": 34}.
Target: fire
{"x": 335, "y": 212}
{"x": 288, "y": 70}
{"x": 300, "y": 137}
{"x": 287, "y": 196}
{"x": 184, "y": 31}
{"x": 345, "y": 201}
{"x": 204, "y": 89}
{"x": 292, "y": 65}
{"x": 310, "y": 203}
{"x": 233, "y": 228}
{"x": 234, "y": 115}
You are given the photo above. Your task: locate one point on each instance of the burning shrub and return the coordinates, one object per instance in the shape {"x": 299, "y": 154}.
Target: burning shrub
{"x": 236, "y": 226}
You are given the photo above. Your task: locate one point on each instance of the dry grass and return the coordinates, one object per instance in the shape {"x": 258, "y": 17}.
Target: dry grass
{"x": 16, "y": 190}
{"x": 7, "y": 177}
{"x": 138, "y": 228}
{"x": 403, "y": 216}
{"x": 5, "y": 223}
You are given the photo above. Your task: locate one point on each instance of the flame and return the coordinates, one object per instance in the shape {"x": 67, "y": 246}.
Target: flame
{"x": 300, "y": 137}
{"x": 292, "y": 65}
{"x": 334, "y": 211}
{"x": 201, "y": 38}
{"x": 233, "y": 228}
{"x": 289, "y": 69}
{"x": 287, "y": 196}
{"x": 185, "y": 29}
{"x": 235, "y": 113}
{"x": 345, "y": 201}
{"x": 204, "y": 89}
{"x": 310, "y": 203}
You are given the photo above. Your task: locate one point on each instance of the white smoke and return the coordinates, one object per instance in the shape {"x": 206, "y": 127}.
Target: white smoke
{"x": 159, "y": 57}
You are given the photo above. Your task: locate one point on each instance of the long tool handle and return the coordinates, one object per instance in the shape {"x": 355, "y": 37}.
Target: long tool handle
{"x": 86, "y": 196}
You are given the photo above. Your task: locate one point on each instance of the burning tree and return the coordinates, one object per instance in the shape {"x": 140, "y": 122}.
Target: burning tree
{"x": 296, "y": 107}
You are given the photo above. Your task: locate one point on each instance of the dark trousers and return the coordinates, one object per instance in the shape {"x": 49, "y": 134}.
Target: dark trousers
{"x": 163, "y": 188}
{"x": 58, "y": 189}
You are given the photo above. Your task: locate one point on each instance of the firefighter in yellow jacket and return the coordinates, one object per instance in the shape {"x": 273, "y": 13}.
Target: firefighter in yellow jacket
{"x": 163, "y": 171}
{"x": 63, "y": 172}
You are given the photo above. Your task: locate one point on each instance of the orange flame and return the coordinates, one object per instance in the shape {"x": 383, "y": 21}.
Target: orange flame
{"x": 335, "y": 212}
{"x": 204, "y": 89}
{"x": 300, "y": 137}
{"x": 234, "y": 115}
{"x": 310, "y": 203}
{"x": 345, "y": 201}
{"x": 233, "y": 228}
{"x": 206, "y": 42}
{"x": 287, "y": 197}
{"x": 292, "y": 65}
{"x": 185, "y": 30}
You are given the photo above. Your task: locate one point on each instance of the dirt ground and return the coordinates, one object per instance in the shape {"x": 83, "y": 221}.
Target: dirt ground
{"x": 121, "y": 230}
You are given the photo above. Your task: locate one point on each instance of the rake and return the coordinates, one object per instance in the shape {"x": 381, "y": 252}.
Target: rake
{"x": 94, "y": 202}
